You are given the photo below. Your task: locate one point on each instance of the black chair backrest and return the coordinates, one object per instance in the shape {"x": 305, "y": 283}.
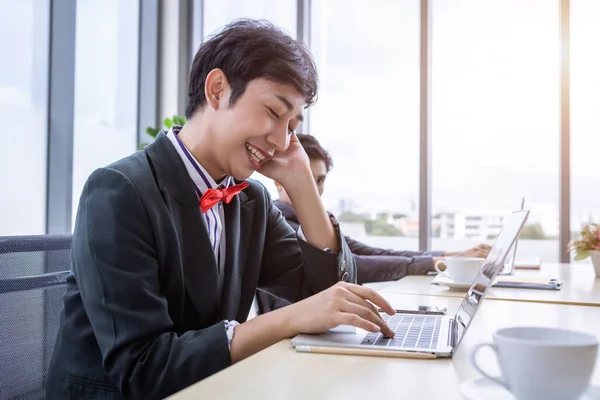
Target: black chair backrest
{"x": 33, "y": 270}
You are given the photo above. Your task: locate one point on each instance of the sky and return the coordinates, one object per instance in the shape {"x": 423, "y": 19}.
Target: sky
{"x": 495, "y": 99}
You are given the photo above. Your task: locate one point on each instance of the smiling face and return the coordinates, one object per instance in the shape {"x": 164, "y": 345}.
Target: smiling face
{"x": 255, "y": 128}
{"x": 248, "y": 86}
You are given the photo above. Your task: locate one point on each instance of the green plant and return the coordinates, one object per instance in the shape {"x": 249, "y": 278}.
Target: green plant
{"x": 589, "y": 241}
{"x": 167, "y": 124}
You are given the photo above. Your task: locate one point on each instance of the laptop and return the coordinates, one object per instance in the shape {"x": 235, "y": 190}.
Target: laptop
{"x": 509, "y": 262}
{"x": 432, "y": 335}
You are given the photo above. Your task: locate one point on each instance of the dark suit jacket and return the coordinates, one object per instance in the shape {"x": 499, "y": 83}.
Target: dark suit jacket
{"x": 373, "y": 264}
{"x": 142, "y": 317}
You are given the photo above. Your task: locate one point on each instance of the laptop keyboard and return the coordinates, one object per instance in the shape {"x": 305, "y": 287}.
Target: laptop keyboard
{"x": 412, "y": 331}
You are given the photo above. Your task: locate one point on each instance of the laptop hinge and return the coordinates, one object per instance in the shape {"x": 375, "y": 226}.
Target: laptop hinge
{"x": 451, "y": 333}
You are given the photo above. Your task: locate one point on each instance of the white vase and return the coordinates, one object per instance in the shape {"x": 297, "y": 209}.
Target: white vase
{"x": 595, "y": 255}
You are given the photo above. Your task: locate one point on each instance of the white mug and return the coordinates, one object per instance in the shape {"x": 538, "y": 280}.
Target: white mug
{"x": 460, "y": 269}
{"x": 542, "y": 363}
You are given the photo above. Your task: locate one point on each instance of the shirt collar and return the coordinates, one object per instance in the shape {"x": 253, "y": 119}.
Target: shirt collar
{"x": 202, "y": 180}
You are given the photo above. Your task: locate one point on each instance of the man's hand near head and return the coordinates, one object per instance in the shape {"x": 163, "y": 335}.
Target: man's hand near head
{"x": 291, "y": 169}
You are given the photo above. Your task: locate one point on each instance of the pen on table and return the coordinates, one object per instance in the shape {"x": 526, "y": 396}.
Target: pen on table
{"x": 362, "y": 352}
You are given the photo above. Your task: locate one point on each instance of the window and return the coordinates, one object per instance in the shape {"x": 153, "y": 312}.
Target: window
{"x": 495, "y": 116}
{"x": 106, "y": 72}
{"x": 367, "y": 115}
{"x": 218, "y": 13}
{"x": 24, "y": 41}
{"x": 585, "y": 119}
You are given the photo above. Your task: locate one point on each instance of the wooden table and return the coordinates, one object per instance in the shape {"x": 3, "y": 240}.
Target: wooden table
{"x": 280, "y": 373}
{"x": 580, "y": 286}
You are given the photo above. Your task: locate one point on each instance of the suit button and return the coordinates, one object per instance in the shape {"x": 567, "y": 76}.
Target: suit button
{"x": 343, "y": 266}
{"x": 345, "y": 276}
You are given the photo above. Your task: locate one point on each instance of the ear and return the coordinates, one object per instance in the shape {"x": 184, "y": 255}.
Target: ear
{"x": 216, "y": 88}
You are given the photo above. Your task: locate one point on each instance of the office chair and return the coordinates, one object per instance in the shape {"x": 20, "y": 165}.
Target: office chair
{"x": 33, "y": 271}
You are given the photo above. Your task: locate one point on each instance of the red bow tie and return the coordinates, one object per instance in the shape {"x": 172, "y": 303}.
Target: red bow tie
{"x": 213, "y": 196}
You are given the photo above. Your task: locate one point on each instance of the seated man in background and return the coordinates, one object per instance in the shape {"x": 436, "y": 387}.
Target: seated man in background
{"x": 373, "y": 264}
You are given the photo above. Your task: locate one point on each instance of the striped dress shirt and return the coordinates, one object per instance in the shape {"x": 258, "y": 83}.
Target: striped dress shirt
{"x": 215, "y": 217}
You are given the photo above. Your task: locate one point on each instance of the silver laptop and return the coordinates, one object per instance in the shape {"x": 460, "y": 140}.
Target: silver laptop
{"x": 509, "y": 262}
{"x": 437, "y": 335}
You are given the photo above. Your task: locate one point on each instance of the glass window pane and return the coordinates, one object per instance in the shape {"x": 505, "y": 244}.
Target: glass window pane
{"x": 495, "y": 121}
{"x": 24, "y": 41}
{"x": 585, "y": 116}
{"x": 367, "y": 115}
{"x": 218, "y": 13}
{"x": 106, "y": 73}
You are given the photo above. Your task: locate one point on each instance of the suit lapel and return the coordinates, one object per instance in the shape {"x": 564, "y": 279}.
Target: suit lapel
{"x": 199, "y": 264}
{"x": 238, "y": 226}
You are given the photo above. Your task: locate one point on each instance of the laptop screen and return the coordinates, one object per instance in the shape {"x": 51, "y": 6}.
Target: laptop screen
{"x": 485, "y": 277}
{"x": 509, "y": 262}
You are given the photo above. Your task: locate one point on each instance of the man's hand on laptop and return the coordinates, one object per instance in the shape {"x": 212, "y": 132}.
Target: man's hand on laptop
{"x": 479, "y": 251}
{"x": 342, "y": 304}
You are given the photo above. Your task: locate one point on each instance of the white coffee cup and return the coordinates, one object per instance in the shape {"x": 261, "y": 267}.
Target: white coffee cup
{"x": 460, "y": 269}
{"x": 542, "y": 363}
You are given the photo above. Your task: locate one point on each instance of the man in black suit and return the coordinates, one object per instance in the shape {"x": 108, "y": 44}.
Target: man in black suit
{"x": 171, "y": 243}
{"x": 373, "y": 264}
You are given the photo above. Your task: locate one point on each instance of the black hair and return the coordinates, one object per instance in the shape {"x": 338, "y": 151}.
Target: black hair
{"x": 314, "y": 151}
{"x": 248, "y": 49}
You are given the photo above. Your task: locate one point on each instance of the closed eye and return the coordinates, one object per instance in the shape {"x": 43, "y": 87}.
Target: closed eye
{"x": 273, "y": 113}
{"x": 276, "y": 116}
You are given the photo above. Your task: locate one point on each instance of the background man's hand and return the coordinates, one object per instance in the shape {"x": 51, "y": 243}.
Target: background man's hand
{"x": 479, "y": 251}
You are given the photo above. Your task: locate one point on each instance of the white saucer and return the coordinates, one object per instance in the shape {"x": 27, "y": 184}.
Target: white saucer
{"x": 486, "y": 389}
{"x": 443, "y": 280}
